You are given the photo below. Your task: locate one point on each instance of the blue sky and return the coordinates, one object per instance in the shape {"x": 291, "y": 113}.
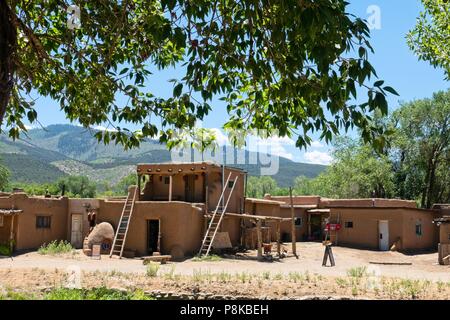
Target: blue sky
{"x": 393, "y": 60}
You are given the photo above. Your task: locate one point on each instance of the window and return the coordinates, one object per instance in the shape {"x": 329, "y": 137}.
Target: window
{"x": 43, "y": 222}
{"x": 166, "y": 180}
{"x": 230, "y": 184}
{"x": 348, "y": 224}
{"x": 1, "y": 221}
{"x": 418, "y": 229}
{"x": 298, "y": 222}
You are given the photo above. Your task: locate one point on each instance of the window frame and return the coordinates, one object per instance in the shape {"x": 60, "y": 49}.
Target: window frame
{"x": 348, "y": 224}
{"x": 420, "y": 229}
{"x": 44, "y": 224}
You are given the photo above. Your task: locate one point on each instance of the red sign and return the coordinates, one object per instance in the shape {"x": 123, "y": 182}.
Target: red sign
{"x": 333, "y": 227}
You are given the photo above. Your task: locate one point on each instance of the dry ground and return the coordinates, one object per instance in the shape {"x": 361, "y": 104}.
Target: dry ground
{"x": 353, "y": 274}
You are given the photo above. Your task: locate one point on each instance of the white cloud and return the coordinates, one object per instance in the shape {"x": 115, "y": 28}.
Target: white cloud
{"x": 318, "y": 157}
{"x": 221, "y": 138}
{"x": 102, "y": 128}
{"x": 274, "y": 145}
{"x": 317, "y": 144}
{"x": 29, "y": 127}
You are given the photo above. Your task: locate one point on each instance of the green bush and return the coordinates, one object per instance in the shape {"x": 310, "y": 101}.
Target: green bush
{"x": 5, "y": 250}
{"x": 56, "y": 247}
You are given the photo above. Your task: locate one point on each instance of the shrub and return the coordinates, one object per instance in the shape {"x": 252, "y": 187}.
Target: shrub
{"x": 152, "y": 269}
{"x": 5, "y": 250}
{"x": 56, "y": 247}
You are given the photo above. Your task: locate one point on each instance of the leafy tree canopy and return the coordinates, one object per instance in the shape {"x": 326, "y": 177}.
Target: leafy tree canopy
{"x": 4, "y": 176}
{"x": 429, "y": 38}
{"x": 278, "y": 65}
{"x": 357, "y": 172}
{"x": 77, "y": 186}
{"x": 421, "y": 149}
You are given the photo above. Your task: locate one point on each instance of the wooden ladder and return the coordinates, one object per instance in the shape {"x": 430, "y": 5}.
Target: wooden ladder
{"x": 216, "y": 219}
{"x": 124, "y": 222}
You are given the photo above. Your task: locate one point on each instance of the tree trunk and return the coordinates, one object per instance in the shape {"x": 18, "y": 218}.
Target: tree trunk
{"x": 432, "y": 176}
{"x": 8, "y": 41}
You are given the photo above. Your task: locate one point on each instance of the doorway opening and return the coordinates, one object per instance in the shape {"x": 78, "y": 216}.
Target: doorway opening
{"x": 316, "y": 227}
{"x": 189, "y": 188}
{"x": 153, "y": 236}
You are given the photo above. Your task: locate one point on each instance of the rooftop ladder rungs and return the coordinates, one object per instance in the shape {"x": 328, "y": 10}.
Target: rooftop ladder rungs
{"x": 214, "y": 225}
{"x": 124, "y": 223}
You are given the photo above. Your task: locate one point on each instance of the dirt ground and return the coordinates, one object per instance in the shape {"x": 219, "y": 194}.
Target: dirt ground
{"x": 354, "y": 274}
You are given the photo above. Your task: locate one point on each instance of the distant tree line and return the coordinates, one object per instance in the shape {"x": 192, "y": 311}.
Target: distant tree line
{"x": 414, "y": 165}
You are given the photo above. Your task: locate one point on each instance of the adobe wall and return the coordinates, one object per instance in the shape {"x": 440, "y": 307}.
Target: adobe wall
{"x": 430, "y": 232}
{"x": 215, "y": 189}
{"x": 181, "y": 225}
{"x": 364, "y": 233}
{"x": 368, "y": 203}
{"x": 30, "y": 237}
{"x": 300, "y": 231}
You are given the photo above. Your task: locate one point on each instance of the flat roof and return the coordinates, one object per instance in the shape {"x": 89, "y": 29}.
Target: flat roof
{"x": 180, "y": 167}
{"x": 263, "y": 201}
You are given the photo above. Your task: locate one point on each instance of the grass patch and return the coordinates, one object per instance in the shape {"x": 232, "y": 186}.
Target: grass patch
{"x": 357, "y": 272}
{"x": 55, "y": 247}
{"x": 211, "y": 257}
{"x": 101, "y": 293}
{"x": 152, "y": 269}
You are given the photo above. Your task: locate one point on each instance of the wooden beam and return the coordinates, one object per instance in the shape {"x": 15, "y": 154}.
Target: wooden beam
{"x": 259, "y": 235}
{"x": 293, "y": 236}
{"x": 170, "y": 187}
{"x": 251, "y": 216}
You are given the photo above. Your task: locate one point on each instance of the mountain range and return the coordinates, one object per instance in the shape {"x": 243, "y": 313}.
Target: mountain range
{"x": 46, "y": 154}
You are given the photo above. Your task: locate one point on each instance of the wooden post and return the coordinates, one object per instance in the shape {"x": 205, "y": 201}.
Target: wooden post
{"x": 139, "y": 187}
{"x": 170, "y": 188}
{"x": 259, "y": 235}
{"x": 293, "y": 236}
{"x": 11, "y": 234}
{"x": 278, "y": 238}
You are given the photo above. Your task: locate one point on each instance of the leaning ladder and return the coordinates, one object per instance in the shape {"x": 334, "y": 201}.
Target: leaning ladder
{"x": 122, "y": 229}
{"x": 216, "y": 219}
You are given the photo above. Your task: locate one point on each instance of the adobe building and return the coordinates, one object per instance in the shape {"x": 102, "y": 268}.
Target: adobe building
{"x": 379, "y": 224}
{"x": 174, "y": 205}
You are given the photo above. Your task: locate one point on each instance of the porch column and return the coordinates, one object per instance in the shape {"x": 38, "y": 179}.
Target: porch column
{"x": 139, "y": 186}
{"x": 11, "y": 233}
{"x": 170, "y": 187}
{"x": 293, "y": 236}
{"x": 279, "y": 238}
{"x": 259, "y": 235}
